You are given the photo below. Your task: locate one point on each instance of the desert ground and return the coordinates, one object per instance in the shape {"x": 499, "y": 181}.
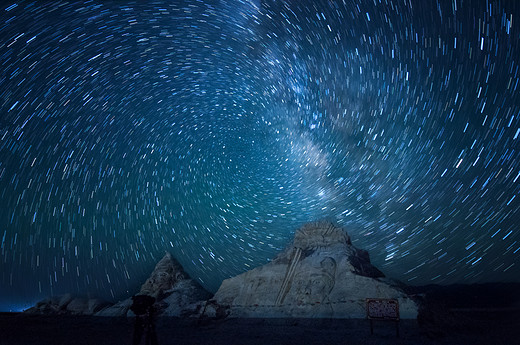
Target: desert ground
{"x": 461, "y": 328}
{"x": 459, "y": 314}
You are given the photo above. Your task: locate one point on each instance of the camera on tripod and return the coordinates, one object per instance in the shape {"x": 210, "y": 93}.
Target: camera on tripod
{"x": 143, "y": 309}
{"x": 142, "y": 304}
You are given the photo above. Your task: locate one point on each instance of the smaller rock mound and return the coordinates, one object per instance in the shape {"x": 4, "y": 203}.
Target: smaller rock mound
{"x": 167, "y": 273}
{"x": 176, "y": 294}
{"x": 68, "y": 305}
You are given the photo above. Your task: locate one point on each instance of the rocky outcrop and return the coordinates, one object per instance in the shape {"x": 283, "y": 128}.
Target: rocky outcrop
{"x": 66, "y": 304}
{"x": 320, "y": 275}
{"x": 176, "y": 294}
{"x": 167, "y": 273}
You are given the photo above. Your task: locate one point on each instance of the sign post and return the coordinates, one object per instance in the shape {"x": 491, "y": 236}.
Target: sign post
{"x": 383, "y": 309}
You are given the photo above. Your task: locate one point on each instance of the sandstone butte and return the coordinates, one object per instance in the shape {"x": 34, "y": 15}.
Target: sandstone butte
{"x": 320, "y": 275}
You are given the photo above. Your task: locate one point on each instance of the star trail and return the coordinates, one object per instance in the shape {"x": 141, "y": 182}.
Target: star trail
{"x": 214, "y": 129}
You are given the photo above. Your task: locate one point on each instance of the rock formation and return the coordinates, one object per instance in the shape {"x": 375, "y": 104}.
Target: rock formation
{"x": 66, "y": 304}
{"x": 321, "y": 275}
{"x": 175, "y": 292}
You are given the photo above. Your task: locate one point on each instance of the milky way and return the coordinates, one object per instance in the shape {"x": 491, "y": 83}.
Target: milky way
{"x": 214, "y": 129}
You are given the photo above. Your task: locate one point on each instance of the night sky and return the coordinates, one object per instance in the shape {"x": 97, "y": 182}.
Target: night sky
{"x": 214, "y": 129}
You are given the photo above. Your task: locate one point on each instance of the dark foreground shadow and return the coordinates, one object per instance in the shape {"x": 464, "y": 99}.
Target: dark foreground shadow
{"x": 81, "y": 330}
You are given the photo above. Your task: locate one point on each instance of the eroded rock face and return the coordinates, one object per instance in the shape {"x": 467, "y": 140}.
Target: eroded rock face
{"x": 320, "y": 275}
{"x": 166, "y": 274}
{"x": 175, "y": 292}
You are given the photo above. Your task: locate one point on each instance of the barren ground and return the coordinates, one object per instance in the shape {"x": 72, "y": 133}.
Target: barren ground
{"x": 476, "y": 328}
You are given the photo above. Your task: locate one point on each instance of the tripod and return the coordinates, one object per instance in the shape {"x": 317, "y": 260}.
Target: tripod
{"x": 143, "y": 308}
{"x": 145, "y": 324}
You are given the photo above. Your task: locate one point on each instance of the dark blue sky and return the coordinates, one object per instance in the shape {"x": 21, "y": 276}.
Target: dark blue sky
{"x": 214, "y": 129}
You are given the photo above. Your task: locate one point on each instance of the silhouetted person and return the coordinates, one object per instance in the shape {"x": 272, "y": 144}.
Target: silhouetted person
{"x": 143, "y": 309}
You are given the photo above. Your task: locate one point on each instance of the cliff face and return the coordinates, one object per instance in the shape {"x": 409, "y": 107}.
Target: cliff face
{"x": 321, "y": 275}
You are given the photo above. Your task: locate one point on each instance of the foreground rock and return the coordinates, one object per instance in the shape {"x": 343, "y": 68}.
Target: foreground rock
{"x": 321, "y": 275}
{"x": 68, "y": 305}
{"x": 175, "y": 292}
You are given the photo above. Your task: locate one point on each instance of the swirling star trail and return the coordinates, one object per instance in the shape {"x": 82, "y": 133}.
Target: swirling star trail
{"x": 214, "y": 129}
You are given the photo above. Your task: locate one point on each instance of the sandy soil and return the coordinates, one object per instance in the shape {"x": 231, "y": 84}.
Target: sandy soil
{"x": 56, "y": 330}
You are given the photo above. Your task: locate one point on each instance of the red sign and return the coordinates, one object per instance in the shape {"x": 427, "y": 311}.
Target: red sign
{"x": 382, "y": 309}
